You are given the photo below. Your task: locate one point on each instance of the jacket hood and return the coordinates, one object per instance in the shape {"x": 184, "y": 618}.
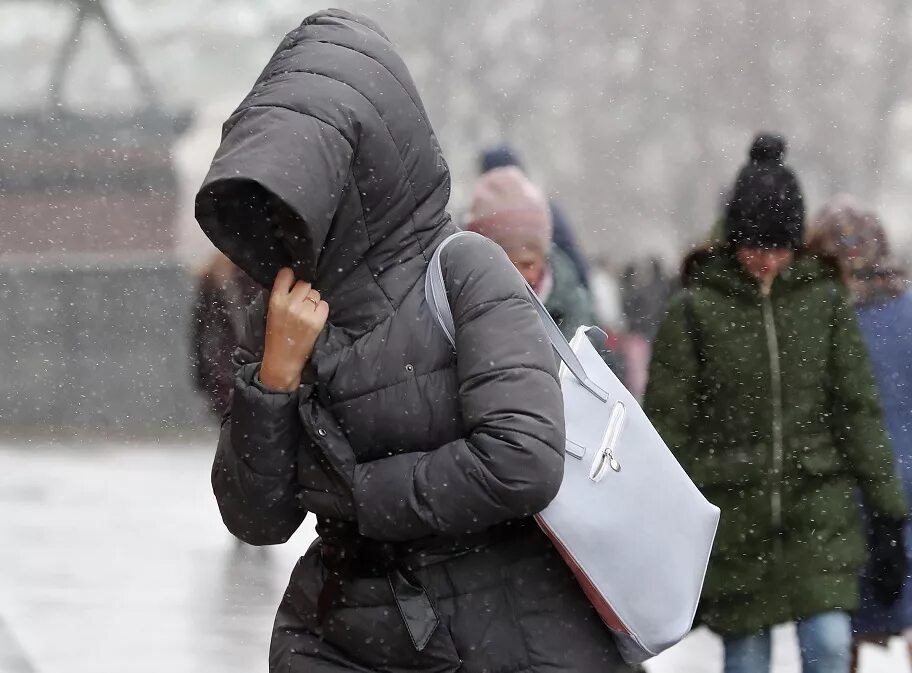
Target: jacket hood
{"x": 717, "y": 267}
{"x": 330, "y": 166}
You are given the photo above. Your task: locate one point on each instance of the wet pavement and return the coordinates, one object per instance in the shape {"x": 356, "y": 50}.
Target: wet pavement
{"x": 113, "y": 558}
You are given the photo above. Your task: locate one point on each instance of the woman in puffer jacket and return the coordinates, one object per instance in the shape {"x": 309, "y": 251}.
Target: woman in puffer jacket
{"x": 422, "y": 468}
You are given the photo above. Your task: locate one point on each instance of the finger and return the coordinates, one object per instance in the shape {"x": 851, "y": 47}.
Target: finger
{"x": 283, "y": 281}
{"x": 299, "y": 291}
{"x": 313, "y": 296}
{"x": 322, "y": 311}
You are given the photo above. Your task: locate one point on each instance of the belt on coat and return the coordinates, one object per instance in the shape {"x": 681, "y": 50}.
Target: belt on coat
{"x": 346, "y": 555}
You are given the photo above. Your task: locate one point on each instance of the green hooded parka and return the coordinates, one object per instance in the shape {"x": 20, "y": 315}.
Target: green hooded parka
{"x": 768, "y": 401}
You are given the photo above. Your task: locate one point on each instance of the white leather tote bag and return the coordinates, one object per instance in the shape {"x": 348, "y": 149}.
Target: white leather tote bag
{"x": 629, "y": 522}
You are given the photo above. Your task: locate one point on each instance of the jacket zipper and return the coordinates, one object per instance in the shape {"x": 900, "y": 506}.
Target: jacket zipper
{"x": 772, "y": 344}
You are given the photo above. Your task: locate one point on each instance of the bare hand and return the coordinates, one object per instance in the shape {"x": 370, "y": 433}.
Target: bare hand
{"x": 295, "y": 318}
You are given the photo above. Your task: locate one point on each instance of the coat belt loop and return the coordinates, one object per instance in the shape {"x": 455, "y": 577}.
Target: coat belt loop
{"x": 417, "y": 611}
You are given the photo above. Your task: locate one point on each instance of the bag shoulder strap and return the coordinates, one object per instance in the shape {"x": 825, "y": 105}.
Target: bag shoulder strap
{"x": 435, "y": 292}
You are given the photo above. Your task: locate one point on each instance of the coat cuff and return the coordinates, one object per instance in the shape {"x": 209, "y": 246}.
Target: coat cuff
{"x": 386, "y": 502}
{"x": 264, "y": 424}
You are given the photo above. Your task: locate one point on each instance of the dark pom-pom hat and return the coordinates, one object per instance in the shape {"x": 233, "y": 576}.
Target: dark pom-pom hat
{"x": 766, "y": 208}
{"x": 768, "y": 147}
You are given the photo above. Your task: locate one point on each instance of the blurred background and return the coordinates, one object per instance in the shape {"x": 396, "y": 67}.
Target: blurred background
{"x": 635, "y": 118}
{"x": 635, "y": 121}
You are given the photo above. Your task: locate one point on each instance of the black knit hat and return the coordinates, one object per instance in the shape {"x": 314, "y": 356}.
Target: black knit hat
{"x": 766, "y": 208}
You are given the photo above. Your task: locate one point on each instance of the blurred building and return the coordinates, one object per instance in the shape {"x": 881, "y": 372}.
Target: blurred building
{"x": 93, "y": 302}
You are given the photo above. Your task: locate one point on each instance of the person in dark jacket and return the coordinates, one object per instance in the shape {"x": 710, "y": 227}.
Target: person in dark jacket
{"x": 216, "y": 328}
{"x": 501, "y": 156}
{"x": 645, "y": 290}
{"x": 853, "y": 235}
{"x": 760, "y": 384}
{"x": 422, "y": 468}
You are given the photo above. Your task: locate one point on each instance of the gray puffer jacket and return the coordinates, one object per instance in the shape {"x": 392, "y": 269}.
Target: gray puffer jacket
{"x": 422, "y": 467}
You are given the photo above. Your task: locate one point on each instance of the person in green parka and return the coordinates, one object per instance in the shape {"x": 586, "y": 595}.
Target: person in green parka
{"x": 760, "y": 384}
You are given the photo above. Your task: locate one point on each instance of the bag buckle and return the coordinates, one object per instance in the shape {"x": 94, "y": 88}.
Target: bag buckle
{"x": 604, "y": 459}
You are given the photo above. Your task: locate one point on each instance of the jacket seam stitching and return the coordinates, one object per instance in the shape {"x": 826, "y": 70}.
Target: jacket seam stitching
{"x": 530, "y": 367}
{"x": 525, "y": 433}
{"x": 336, "y": 402}
{"x": 285, "y": 106}
{"x": 419, "y": 108}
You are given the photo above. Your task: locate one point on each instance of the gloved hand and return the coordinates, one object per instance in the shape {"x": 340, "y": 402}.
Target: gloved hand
{"x": 887, "y": 566}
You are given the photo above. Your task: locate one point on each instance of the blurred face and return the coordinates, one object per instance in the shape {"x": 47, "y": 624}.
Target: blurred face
{"x": 530, "y": 263}
{"x": 764, "y": 263}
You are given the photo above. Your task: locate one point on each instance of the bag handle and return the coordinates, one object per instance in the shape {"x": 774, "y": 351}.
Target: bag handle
{"x": 435, "y": 292}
